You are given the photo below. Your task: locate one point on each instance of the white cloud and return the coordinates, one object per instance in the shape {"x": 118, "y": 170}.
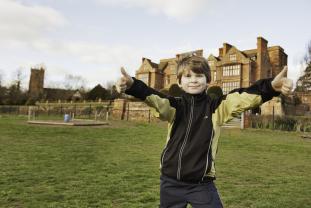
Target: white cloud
{"x": 96, "y": 62}
{"x": 26, "y": 27}
{"x": 182, "y": 10}
{"x": 88, "y": 52}
{"x": 20, "y": 24}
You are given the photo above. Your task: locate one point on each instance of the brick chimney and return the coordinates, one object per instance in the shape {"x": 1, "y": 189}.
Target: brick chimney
{"x": 261, "y": 44}
{"x": 262, "y": 54}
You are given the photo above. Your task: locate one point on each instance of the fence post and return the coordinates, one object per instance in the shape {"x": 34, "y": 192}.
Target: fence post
{"x": 75, "y": 109}
{"x": 128, "y": 111}
{"x": 29, "y": 113}
{"x": 107, "y": 115}
{"x": 107, "y": 112}
{"x": 90, "y": 111}
{"x": 242, "y": 120}
{"x": 273, "y": 117}
{"x": 48, "y": 110}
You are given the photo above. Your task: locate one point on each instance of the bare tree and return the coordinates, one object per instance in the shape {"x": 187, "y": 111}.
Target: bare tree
{"x": 54, "y": 84}
{"x": 307, "y": 57}
{"x": 1, "y": 78}
{"x": 19, "y": 77}
{"x": 304, "y": 82}
{"x": 74, "y": 82}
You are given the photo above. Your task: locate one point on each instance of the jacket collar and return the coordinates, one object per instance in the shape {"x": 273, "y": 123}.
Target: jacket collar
{"x": 197, "y": 97}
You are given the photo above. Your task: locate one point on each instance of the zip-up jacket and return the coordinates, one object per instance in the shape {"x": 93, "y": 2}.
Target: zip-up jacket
{"x": 194, "y": 123}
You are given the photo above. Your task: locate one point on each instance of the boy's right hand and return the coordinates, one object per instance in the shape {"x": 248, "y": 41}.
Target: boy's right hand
{"x": 125, "y": 82}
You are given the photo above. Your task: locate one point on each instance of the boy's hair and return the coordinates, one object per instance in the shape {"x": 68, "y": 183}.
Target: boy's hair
{"x": 195, "y": 63}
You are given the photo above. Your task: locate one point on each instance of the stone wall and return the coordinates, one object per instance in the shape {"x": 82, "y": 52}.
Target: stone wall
{"x": 305, "y": 97}
{"x": 274, "y": 104}
{"x": 131, "y": 111}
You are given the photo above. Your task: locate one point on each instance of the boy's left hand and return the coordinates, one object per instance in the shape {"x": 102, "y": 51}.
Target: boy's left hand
{"x": 281, "y": 83}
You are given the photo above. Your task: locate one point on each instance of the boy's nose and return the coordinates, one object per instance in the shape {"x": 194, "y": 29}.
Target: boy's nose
{"x": 193, "y": 79}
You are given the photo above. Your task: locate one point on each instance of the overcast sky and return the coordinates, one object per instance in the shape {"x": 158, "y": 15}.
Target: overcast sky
{"x": 93, "y": 38}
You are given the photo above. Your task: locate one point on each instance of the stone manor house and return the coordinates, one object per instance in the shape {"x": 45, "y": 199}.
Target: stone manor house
{"x": 231, "y": 69}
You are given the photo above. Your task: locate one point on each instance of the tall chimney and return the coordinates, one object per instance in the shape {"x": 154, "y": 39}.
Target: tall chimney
{"x": 262, "y": 53}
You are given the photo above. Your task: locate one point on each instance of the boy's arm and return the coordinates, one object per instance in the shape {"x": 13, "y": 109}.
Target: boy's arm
{"x": 240, "y": 100}
{"x": 164, "y": 106}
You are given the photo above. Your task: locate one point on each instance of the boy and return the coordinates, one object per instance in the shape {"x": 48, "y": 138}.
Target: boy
{"x": 188, "y": 159}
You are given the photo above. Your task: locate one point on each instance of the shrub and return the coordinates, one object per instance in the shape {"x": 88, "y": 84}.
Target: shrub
{"x": 285, "y": 123}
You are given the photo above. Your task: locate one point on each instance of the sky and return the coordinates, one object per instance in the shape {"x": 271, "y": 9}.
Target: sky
{"x": 92, "y": 39}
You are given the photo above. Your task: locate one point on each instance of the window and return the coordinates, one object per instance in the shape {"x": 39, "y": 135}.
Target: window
{"x": 228, "y": 86}
{"x": 211, "y": 63}
{"x": 167, "y": 79}
{"x": 232, "y": 57}
{"x": 232, "y": 70}
{"x": 214, "y": 76}
{"x": 144, "y": 78}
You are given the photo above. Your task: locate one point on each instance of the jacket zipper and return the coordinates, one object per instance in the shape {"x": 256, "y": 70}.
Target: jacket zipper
{"x": 209, "y": 147}
{"x": 185, "y": 139}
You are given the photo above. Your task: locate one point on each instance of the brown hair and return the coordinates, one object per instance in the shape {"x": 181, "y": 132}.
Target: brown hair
{"x": 195, "y": 63}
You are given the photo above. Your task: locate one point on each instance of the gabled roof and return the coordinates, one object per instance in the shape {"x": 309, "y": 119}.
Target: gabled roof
{"x": 162, "y": 65}
{"x": 152, "y": 64}
{"x": 233, "y": 48}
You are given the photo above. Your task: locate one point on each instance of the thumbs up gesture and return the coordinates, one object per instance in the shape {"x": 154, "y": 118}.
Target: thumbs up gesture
{"x": 125, "y": 82}
{"x": 281, "y": 83}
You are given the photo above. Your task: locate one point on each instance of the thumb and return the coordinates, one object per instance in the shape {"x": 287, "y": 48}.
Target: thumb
{"x": 281, "y": 74}
{"x": 124, "y": 73}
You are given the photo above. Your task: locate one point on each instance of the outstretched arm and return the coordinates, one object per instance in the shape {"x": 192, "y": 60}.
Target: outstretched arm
{"x": 164, "y": 106}
{"x": 242, "y": 99}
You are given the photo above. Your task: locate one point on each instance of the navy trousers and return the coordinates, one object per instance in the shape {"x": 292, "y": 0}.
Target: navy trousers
{"x": 176, "y": 194}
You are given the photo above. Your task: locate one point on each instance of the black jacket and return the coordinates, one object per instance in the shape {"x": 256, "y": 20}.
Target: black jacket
{"x": 194, "y": 125}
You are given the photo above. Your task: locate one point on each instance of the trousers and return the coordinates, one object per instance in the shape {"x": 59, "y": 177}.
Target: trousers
{"x": 177, "y": 194}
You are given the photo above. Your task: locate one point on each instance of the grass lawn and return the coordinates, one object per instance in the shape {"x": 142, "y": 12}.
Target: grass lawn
{"x": 118, "y": 166}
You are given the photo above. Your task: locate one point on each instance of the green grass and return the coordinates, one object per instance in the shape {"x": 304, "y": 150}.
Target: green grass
{"x": 118, "y": 166}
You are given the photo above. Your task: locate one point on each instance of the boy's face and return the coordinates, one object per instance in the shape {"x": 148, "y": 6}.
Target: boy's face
{"x": 193, "y": 83}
